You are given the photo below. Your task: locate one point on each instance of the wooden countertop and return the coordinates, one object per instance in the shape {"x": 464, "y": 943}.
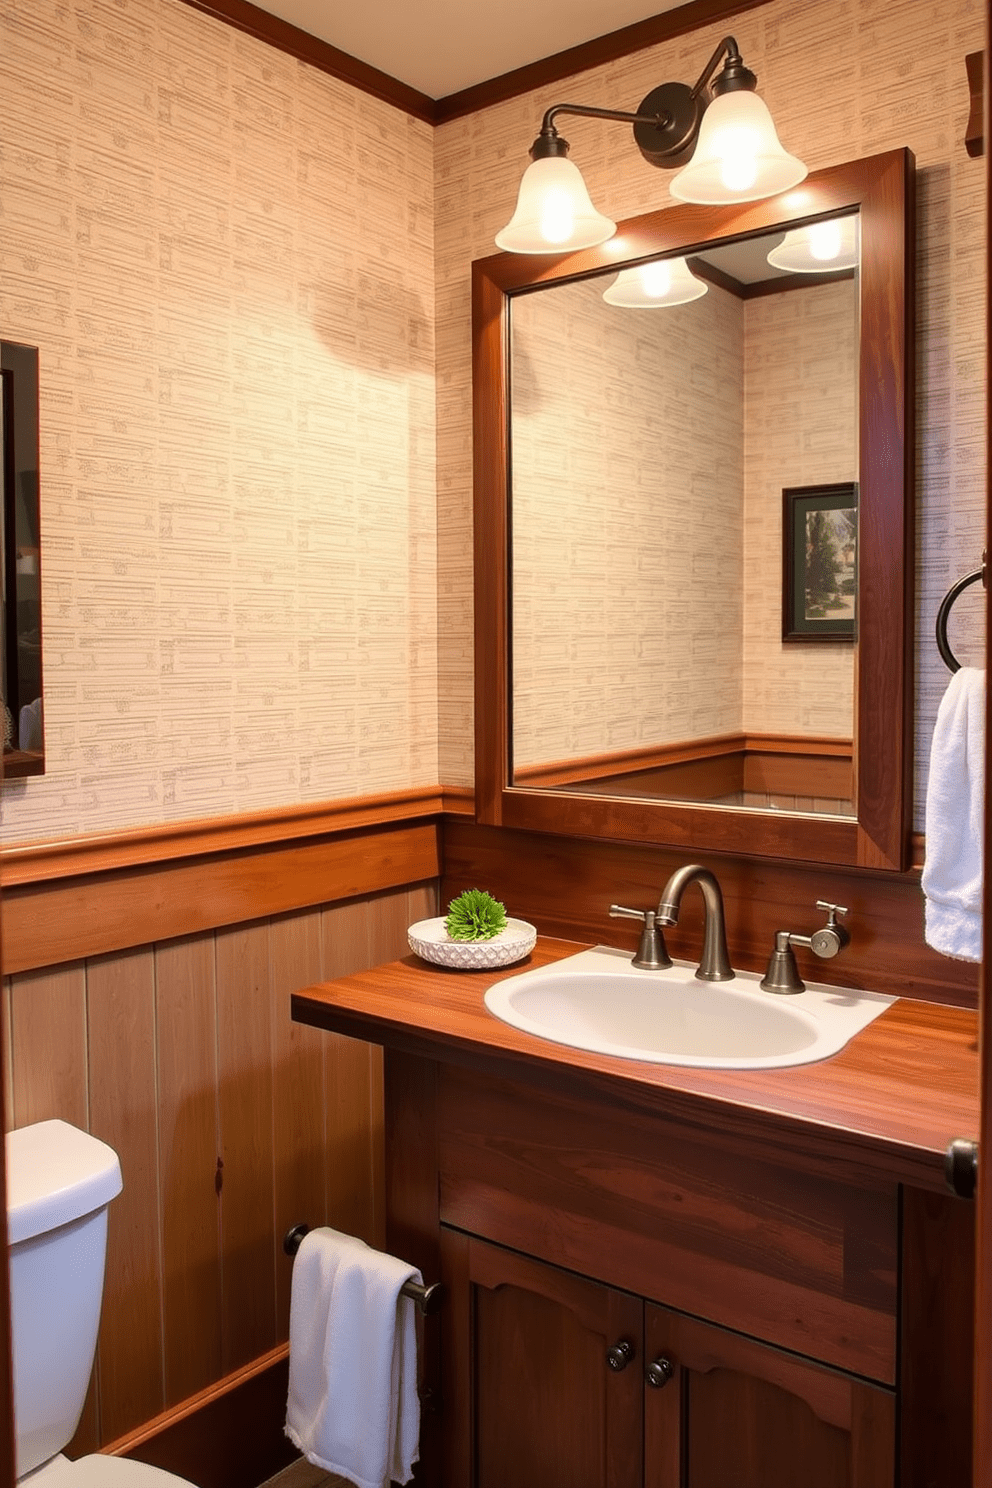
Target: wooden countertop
{"x": 889, "y": 1103}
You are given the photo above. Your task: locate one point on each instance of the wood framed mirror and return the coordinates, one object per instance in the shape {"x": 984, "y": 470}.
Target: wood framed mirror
{"x": 607, "y": 622}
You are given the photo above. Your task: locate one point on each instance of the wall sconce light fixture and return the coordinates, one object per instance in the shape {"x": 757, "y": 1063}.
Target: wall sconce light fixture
{"x": 721, "y": 133}
{"x": 819, "y": 247}
{"x": 655, "y": 285}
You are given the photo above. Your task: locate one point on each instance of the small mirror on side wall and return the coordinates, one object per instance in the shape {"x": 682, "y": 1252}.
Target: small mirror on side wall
{"x": 20, "y": 564}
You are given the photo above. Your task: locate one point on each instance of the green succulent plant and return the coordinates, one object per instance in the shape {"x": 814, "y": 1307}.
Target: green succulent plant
{"x": 475, "y": 915}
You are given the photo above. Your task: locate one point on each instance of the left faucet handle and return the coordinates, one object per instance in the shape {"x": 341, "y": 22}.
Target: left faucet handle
{"x": 652, "y": 954}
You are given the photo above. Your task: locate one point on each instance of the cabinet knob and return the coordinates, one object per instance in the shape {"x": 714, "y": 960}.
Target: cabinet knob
{"x": 620, "y": 1355}
{"x": 658, "y": 1373}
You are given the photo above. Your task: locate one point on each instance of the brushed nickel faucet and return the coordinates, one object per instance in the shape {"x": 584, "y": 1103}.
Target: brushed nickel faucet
{"x": 714, "y": 965}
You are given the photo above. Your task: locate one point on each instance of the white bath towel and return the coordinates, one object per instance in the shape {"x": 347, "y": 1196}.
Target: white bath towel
{"x": 952, "y": 873}
{"x": 353, "y": 1406}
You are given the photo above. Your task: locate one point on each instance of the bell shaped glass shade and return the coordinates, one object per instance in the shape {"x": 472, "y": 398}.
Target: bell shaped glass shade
{"x": 554, "y": 213}
{"x": 819, "y": 247}
{"x": 650, "y": 286}
{"x": 737, "y": 156}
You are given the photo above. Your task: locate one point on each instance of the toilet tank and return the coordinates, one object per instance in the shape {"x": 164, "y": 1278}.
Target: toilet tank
{"x": 59, "y": 1183}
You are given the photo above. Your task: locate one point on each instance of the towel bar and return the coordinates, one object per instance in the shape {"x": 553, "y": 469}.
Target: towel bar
{"x": 427, "y": 1298}
{"x": 947, "y": 655}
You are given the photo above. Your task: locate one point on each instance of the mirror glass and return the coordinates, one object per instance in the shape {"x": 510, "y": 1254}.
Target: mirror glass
{"x": 684, "y": 530}
{"x": 20, "y": 564}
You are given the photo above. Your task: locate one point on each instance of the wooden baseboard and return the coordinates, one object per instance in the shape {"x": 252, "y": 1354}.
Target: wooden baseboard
{"x": 228, "y": 1436}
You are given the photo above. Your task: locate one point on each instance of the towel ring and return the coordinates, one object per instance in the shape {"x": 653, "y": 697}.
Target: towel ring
{"x": 427, "y": 1298}
{"x": 946, "y": 604}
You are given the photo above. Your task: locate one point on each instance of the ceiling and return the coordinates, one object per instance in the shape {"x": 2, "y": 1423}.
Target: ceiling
{"x": 442, "y": 46}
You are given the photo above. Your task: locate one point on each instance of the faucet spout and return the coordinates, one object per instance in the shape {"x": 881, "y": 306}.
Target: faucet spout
{"x": 714, "y": 965}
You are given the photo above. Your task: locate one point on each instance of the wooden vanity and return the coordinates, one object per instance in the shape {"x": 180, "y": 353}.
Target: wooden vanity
{"x": 664, "y": 1276}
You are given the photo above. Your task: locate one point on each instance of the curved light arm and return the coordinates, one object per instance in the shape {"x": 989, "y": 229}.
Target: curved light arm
{"x": 735, "y": 74}
{"x": 549, "y": 141}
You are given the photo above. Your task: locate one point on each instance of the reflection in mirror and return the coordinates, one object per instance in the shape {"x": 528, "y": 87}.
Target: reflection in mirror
{"x": 20, "y": 547}
{"x": 651, "y": 449}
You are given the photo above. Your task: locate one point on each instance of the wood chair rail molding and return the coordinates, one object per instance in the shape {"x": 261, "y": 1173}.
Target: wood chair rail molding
{"x": 64, "y": 901}
{"x": 42, "y": 861}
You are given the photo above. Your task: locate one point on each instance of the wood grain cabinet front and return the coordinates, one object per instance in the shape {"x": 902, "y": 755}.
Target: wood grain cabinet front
{"x": 551, "y": 1378}
{"x": 542, "y": 1378}
{"x": 722, "y": 1409}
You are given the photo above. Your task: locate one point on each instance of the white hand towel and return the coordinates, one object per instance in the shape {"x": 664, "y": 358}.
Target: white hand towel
{"x": 353, "y": 1406}
{"x": 952, "y": 874}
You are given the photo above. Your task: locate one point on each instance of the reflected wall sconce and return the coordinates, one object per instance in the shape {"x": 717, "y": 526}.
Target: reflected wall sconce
{"x": 655, "y": 286}
{"x": 719, "y": 132}
{"x": 819, "y": 247}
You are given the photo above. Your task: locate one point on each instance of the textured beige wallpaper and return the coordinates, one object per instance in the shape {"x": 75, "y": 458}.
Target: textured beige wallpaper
{"x": 226, "y": 260}
{"x": 843, "y": 79}
{"x": 250, "y": 288}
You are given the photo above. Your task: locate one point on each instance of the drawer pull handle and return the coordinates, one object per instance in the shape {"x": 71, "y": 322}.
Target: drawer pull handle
{"x": 620, "y": 1355}
{"x": 658, "y": 1373}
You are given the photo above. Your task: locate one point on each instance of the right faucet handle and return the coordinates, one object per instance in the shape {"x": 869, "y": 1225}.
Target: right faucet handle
{"x": 833, "y": 937}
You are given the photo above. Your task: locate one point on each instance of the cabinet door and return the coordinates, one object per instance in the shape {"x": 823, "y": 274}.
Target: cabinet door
{"x": 735, "y": 1413}
{"x": 530, "y": 1397}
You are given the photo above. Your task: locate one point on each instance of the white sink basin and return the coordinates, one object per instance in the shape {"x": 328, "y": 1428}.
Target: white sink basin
{"x": 597, "y": 1000}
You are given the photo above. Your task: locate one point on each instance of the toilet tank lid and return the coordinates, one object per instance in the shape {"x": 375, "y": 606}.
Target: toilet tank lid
{"x": 55, "y": 1174}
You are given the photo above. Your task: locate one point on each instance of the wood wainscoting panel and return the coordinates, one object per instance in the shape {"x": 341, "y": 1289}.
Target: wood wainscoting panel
{"x": 183, "y": 1056}
{"x": 349, "y": 1085}
{"x": 120, "y": 998}
{"x": 565, "y": 887}
{"x": 245, "y": 1095}
{"x": 189, "y": 1144}
{"x": 48, "y": 1013}
{"x": 354, "y": 1084}
{"x": 299, "y": 1102}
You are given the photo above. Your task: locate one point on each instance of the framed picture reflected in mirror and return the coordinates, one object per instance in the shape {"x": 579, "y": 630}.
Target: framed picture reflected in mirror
{"x": 820, "y": 562}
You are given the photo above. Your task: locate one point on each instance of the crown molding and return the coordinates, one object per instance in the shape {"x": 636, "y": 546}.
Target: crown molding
{"x": 254, "y": 21}
{"x": 287, "y": 38}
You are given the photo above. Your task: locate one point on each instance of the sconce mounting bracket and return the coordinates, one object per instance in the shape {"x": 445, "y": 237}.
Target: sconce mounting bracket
{"x": 679, "y": 111}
